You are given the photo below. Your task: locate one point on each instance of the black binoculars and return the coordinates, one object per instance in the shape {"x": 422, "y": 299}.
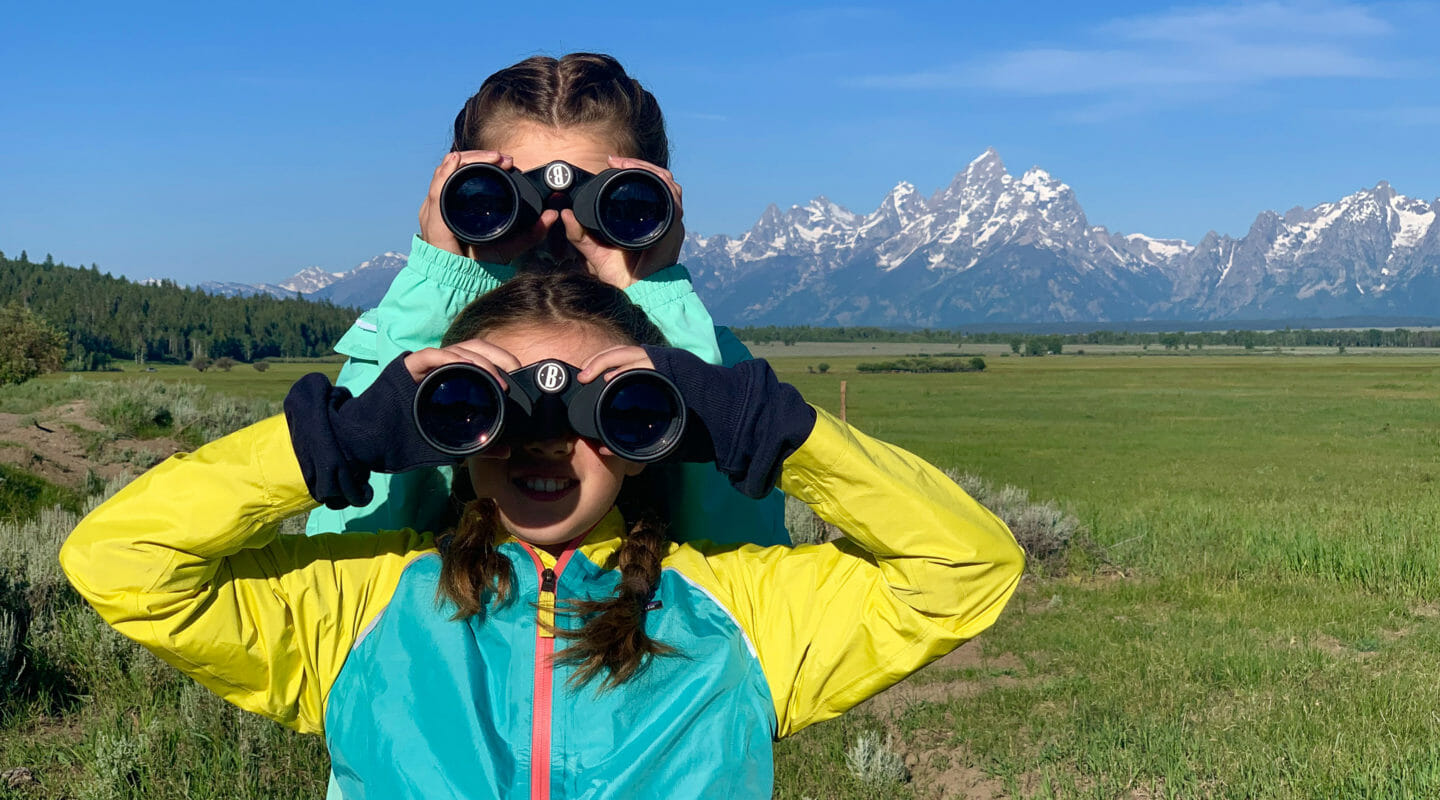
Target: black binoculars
{"x": 460, "y": 409}
{"x": 628, "y": 208}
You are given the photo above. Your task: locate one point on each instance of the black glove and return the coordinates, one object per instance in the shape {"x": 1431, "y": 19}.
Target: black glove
{"x": 742, "y": 418}
{"x": 340, "y": 439}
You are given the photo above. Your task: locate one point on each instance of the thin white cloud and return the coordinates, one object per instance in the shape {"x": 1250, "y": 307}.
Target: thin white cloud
{"x": 1255, "y": 22}
{"x": 1180, "y": 50}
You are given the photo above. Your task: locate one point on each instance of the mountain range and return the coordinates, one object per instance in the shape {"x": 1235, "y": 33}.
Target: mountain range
{"x": 994, "y": 247}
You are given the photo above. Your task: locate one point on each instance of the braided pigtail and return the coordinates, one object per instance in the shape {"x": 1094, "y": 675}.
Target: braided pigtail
{"x": 472, "y": 565}
{"x": 613, "y": 638}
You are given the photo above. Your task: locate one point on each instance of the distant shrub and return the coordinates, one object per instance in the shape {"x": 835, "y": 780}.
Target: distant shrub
{"x": 136, "y": 415}
{"x": 224, "y": 363}
{"x": 924, "y": 365}
{"x": 29, "y": 397}
{"x": 823, "y": 367}
{"x": 200, "y": 363}
{"x": 261, "y": 366}
{"x": 148, "y": 408}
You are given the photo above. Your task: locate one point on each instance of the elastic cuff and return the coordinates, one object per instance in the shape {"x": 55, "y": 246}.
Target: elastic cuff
{"x": 661, "y": 287}
{"x": 456, "y": 271}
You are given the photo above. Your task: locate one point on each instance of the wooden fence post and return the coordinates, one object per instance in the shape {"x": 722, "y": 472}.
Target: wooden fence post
{"x": 842, "y": 400}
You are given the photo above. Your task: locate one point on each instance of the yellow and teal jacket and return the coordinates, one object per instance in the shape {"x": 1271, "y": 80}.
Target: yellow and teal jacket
{"x": 343, "y": 635}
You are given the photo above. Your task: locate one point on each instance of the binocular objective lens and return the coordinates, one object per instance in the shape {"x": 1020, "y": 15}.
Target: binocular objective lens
{"x": 481, "y": 205}
{"x": 460, "y": 413}
{"x": 639, "y": 415}
{"x": 634, "y": 209}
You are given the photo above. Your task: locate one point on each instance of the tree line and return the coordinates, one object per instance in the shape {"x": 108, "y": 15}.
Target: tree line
{"x": 1287, "y": 337}
{"x": 106, "y": 318}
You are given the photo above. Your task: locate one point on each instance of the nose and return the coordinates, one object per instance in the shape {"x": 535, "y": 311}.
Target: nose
{"x": 556, "y": 447}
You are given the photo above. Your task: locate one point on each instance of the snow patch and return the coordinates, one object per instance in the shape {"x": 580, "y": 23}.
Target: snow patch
{"x": 1164, "y": 248}
{"x": 1411, "y": 223}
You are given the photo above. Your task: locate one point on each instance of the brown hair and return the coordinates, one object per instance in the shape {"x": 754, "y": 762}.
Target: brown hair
{"x": 612, "y": 638}
{"x": 580, "y": 90}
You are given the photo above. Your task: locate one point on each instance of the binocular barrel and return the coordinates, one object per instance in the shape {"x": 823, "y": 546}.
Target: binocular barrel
{"x": 628, "y": 208}
{"x": 461, "y": 410}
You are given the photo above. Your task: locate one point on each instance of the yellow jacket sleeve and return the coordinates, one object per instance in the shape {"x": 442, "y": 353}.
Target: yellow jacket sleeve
{"x": 922, "y": 568}
{"x": 185, "y": 560}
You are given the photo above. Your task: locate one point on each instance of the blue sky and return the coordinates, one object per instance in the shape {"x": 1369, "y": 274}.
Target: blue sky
{"x": 243, "y": 141}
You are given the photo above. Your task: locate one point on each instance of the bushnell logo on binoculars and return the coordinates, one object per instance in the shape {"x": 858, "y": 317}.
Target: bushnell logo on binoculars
{"x": 628, "y": 208}
{"x": 460, "y": 409}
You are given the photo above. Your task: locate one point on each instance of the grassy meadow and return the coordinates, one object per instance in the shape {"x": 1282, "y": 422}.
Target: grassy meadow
{"x": 1263, "y": 622}
{"x": 1258, "y": 614}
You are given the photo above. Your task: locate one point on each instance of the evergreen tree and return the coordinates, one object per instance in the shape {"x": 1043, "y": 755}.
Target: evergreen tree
{"x": 29, "y": 345}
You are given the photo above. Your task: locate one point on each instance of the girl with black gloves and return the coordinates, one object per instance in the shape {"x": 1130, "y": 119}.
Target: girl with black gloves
{"x": 553, "y": 643}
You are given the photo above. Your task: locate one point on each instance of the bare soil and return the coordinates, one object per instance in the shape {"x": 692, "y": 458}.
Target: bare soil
{"x": 63, "y": 444}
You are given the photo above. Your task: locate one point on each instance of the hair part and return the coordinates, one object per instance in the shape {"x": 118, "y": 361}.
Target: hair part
{"x": 612, "y": 638}
{"x": 554, "y": 299}
{"x": 579, "y": 90}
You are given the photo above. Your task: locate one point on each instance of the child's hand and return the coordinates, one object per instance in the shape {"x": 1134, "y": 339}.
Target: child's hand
{"x": 622, "y": 268}
{"x": 494, "y": 360}
{"x": 435, "y": 232}
{"x": 609, "y": 363}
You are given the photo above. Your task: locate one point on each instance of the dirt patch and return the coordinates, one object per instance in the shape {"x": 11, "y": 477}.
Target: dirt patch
{"x": 1335, "y": 648}
{"x": 940, "y": 771}
{"x": 972, "y": 655}
{"x": 64, "y": 444}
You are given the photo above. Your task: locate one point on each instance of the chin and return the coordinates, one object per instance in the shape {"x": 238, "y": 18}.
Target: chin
{"x": 545, "y": 530}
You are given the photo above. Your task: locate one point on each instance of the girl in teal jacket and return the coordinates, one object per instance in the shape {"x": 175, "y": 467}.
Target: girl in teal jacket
{"x": 554, "y": 643}
{"x": 583, "y": 109}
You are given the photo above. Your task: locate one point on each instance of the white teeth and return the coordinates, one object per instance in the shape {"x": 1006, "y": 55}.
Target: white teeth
{"x": 547, "y": 484}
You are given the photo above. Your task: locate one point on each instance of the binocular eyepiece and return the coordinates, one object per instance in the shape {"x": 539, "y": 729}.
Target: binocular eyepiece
{"x": 461, "y": 410}
{"x": 628, "y": 208}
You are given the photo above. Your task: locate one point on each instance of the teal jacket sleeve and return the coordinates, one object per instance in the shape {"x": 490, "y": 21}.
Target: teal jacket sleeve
{"x": 426, "y": 295}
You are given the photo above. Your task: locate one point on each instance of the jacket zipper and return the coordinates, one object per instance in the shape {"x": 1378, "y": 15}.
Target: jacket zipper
{"x": 545, "y": 669}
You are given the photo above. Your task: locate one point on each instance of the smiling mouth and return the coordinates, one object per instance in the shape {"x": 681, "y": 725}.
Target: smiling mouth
{"x": 537, "y": 488}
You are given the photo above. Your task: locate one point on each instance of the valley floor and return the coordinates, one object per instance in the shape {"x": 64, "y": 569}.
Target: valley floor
{"x": 1257, "y": 616}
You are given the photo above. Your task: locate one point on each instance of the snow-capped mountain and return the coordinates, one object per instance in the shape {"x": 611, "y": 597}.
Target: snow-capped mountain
{"x": 363, "y": 286}
{"x": 1372, "y": 252}
{"x": 990, "y": 246}
{"x": 999, "y": 248}
{"x": 311, "y": 280}
{"x": 234, "y": 289}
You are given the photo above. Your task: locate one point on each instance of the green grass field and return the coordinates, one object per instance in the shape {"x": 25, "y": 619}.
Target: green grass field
{"x": 1262, "y": 620}
{"x": 1272, "y": 629}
